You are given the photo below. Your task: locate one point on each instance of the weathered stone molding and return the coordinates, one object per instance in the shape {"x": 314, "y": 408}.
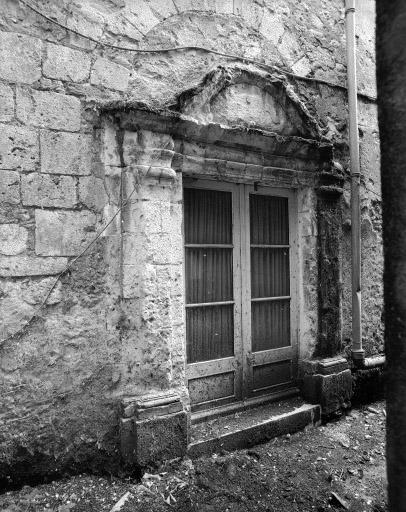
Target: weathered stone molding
{"x": 327, "y": 382}
{"x": 199, "y": 101}
{"x": 153, "y": 428}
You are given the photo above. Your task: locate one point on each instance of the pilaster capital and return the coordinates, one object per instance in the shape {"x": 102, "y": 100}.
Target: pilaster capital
{"x": 149, "y": 154}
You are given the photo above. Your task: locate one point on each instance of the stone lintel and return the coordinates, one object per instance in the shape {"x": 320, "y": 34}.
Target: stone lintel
{"x": 279, "y": 168}
{"x": 136, "y": 116}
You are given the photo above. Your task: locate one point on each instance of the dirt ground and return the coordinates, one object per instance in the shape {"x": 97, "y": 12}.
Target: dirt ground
{"x": 338, "y": 466}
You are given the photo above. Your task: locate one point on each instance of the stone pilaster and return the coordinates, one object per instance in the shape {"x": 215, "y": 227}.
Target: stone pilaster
{"x": 329, "y": 234}
{"x": 327, "y": 379}
{"x": 152, "y": 289}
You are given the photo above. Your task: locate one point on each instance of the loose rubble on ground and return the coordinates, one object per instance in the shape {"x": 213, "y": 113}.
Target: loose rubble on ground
{"x": 337, "y": 466}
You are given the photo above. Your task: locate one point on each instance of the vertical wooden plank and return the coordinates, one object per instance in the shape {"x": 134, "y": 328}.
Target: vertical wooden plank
{"x": 246, "y": 290}
{"x": 294, "y": 278}
{"x": 237, "y": 275}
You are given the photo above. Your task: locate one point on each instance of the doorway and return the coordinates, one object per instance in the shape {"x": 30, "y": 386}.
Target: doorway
{"x": 240, "y": 280}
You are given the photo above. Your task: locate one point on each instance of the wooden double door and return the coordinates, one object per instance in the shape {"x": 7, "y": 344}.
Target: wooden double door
{"x": 240, "y": 300}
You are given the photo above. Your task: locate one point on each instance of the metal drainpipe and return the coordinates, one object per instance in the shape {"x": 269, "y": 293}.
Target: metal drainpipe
{"x": 358, "y": 353}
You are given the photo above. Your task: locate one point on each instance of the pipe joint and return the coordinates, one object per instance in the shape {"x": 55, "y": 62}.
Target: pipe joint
{"x": 358, "y": 356}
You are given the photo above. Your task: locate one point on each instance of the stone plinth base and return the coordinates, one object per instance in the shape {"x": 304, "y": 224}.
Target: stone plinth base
{"x": 327, "y": 382}
{"x": 153, "y": 428}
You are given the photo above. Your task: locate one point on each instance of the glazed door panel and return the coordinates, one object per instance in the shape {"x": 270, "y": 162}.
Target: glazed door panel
{"x": 212, "y": 275}
{"x": 239, "y": 301}
{"x": 268, "y": 306}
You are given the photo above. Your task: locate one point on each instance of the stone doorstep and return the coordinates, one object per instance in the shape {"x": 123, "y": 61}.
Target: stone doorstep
{"x": 243, "y": 430}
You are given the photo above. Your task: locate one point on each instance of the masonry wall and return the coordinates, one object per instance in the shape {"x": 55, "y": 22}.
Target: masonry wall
{"x": 61, "y": 376}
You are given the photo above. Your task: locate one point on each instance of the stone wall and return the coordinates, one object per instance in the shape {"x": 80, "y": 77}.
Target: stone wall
{"x": 62, "y": 376}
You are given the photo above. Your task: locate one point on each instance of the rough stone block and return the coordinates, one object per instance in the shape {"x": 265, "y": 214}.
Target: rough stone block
{"x": 166, "y": 249}
{"x": 13, "y": 214}
{"x": 155, "y": 246}
{"x": 111, "y": 156}
{"x": 18, "y": 147}
{"x": 112, "y": 182}
{"x": 92, "y": 193}
{"x": 224, "y": 6}
{"x": 145, "y": 19}
{"x": 252, "y": 13}
{"x": 86, "y": 20}
{"x": 109, "y": 74}
{"x": 46, "y": 191}
{"x": 124, "y": 27}
{"x": 48, "y": 109}
{"x": 133, "y": 246}
{"x": 13, "y": 239}
{"x": 196, "y": 5}
{"x": 19, "y": 266}
{"x": 131, "y": 281}
{"x": 177, "y": 308}
{"x": 6, "y": 103}
{"x": 290, "y": 48}
{"x": 302, "y": 66}
{"x": 271, "y": 27}
{"x": 65, "y": 153}
{"x": 20, "y": 297}
{"x": 20, "y": 57}
{"x": 111, "y": 213}
{"x": 64, "y": 63}
{"x": 34, "y": 291}
{"x": 163, "y": 434}
{"x": 9, "y": 187}
{"x": 144, "y": 216}
{"x": 162, "y": 7}
{"x": 333, "y": 392}
{"x": 63, "y": 233}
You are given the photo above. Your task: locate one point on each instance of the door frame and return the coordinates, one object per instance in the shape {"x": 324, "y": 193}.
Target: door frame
{"x": 243, "y": 357}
